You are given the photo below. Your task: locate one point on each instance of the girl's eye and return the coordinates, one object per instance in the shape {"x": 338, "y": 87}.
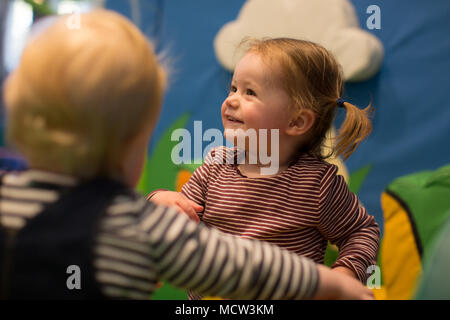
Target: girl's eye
{"x": 233, "y": 89}
{"x": 250, "y": 92}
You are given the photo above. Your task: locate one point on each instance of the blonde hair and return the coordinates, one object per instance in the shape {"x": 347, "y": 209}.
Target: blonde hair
{"x": 79, "y": 94}
{"x": 313, "y": 79}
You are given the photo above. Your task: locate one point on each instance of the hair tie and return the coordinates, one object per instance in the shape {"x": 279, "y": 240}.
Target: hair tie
{"x": 340, "y": 102}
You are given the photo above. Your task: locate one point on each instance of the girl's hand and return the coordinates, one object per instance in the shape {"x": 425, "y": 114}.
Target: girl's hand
{"x": 179, "y": 201}
{"x": 335, "y": 285}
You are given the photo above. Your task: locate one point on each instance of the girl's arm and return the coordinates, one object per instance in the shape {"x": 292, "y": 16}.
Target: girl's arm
{"x": 346, "y": 223}
{"x": 177, "y": 200}
{"x": 192, "y": 198}
{"x": 212, "y": 263}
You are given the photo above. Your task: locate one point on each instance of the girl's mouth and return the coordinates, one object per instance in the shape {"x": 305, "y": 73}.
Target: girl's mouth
{"x": 232, "y": 119}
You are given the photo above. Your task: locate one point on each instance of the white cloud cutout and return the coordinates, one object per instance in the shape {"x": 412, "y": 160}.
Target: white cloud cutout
{"x": 331, "y": 23}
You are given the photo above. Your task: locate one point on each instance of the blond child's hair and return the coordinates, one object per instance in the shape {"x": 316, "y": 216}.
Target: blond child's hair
{"x": 80, "y": 94}
{"x": 313, "y": 79}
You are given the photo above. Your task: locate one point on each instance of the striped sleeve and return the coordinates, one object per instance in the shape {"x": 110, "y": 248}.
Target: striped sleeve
{"x": 345, "y": 222}
{"x": 193, "y": 256}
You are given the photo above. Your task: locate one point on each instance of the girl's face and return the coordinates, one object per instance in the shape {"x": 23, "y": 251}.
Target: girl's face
{"x": 256, "y": 100}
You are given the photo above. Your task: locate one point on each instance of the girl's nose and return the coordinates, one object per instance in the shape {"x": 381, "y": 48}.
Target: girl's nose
{"x": 232, "y": 101}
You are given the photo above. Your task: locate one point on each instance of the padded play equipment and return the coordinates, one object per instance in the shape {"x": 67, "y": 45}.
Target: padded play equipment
{"x": 435, "y": 283}
{"x": 415, "y": 208}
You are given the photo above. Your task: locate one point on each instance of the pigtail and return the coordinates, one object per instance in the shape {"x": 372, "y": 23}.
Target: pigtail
{"x": 355, "y": 128}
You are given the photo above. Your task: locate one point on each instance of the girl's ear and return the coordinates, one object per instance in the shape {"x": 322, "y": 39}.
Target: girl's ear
{"x": 301, "y": 123}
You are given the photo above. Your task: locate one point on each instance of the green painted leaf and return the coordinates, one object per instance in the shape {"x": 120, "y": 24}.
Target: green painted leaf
{"x": 358, "y": 177}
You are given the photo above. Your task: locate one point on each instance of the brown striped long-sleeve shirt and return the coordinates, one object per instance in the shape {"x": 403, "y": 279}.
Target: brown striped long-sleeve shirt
{"x": 300, "y": 209}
